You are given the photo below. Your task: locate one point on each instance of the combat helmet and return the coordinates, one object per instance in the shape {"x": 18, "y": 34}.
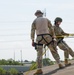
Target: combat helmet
{"x": 58, "y": 19}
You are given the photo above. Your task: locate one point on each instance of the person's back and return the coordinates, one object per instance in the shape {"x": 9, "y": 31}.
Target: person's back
{"x": 41, "y": 25}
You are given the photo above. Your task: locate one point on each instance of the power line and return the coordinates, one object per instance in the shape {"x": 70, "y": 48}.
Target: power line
{"x": 28, "y": 21}
{"x": 14, "y": 35}
{"x": 13, "y": 21}
{"x": 26, "y": 40}
{"x": 10, "y": 29}
{"x": 12, "y": 41}
{"x": 11, "y": 48}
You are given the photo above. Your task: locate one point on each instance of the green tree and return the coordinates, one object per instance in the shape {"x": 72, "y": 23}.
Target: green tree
{"x": 3, "y": 62}
{"x": 9, "y": 62}
{"x": 47, "y": 62}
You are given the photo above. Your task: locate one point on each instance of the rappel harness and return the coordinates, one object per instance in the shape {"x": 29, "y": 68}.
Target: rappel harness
{"x": 61, "y": 40}
{"x": 42, "y": 35}
{"x": 47, "y": 43}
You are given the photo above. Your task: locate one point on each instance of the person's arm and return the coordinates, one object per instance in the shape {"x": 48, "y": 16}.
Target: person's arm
{"x": 60, "y": 34}
{"x": 33, "y": 27}
{"x": 64, "y": 33}
{"x": 51, "y": 29}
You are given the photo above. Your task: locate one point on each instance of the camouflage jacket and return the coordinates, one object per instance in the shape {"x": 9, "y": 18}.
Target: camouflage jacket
{"x": 59, "y": 32}
{"x": 41, "y": 26}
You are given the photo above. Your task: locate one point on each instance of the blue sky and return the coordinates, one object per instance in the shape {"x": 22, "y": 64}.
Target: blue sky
{"x": 16, "y": 17}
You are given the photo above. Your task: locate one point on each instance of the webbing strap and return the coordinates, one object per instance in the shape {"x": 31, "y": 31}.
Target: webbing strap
{"x": 61, "y": 40}
{"x": 45, "y": 39}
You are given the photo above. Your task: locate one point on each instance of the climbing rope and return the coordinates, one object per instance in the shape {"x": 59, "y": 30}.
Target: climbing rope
{"x": 63, "y": 36}
{"x": 46, "y": 48}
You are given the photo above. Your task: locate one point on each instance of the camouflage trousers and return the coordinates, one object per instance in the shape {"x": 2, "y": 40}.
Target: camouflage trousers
{"x": 45, "y": 39}
{"x": 67, "y": 50}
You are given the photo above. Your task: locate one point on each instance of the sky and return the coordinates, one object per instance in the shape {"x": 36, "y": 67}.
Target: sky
{"x": 16, "y": 17}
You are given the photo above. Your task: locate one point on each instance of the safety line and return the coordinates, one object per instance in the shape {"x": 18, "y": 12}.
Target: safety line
{"x": 36, "y": 63}
{"x": 65, "y": 36}
{"x": 70, "y": 36}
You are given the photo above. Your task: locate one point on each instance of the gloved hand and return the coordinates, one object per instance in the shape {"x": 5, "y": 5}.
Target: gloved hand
{"x": 71, "y": 34}
{"x": 33, "y": 43}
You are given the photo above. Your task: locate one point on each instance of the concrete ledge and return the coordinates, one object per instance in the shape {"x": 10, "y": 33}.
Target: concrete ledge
{"x": 53, "y": 70}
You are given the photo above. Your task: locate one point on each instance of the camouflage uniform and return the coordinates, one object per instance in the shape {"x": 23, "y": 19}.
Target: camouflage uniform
{"x": 41, "y": 26}
{"x": 62, "y": 44}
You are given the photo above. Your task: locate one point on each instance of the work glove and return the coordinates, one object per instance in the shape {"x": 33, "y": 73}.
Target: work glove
{"x": 33, "y": 43}
{"x": 71, "y": 34}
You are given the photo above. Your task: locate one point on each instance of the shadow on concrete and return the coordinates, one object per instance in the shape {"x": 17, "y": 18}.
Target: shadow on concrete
{"x": 57, "y": 69}
{"x": 54, "y": 71}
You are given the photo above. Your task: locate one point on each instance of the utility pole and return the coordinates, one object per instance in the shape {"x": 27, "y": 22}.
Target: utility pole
{"x": 14, "y": 55}
{"x": 45, "y": 16}
{"x": 45, "y": 12}
{"x": 21, "y": 55}
{"x": 46, "y": 51}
